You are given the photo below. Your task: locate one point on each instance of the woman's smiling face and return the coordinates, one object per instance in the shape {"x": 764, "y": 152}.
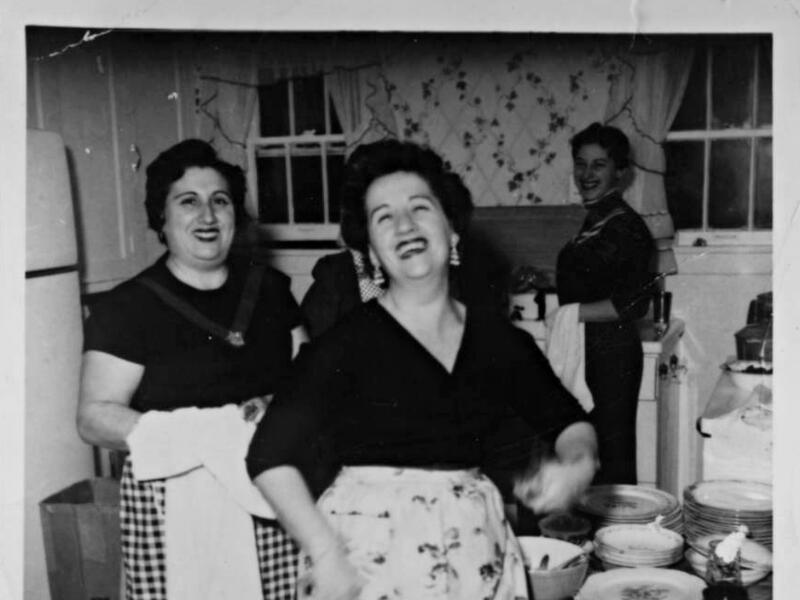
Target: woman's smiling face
{"x": 409, "y": 233}
{"x": 595, "y": 172}
{"x": 199, "y": 219}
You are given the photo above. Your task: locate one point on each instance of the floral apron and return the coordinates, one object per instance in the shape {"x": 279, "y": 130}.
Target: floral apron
{"x": 420, "y": 534}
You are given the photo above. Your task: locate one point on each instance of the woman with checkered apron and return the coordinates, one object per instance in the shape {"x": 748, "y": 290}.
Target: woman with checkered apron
{"x": 199, "y": 328}
{"x": 408, "y": 387}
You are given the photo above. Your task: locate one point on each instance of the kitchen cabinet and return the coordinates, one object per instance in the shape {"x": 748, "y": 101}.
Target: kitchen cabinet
{"x": 111, "y": 99}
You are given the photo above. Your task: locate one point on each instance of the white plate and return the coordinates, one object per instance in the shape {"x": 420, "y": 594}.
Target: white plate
{"x": 698, "y": 563}
{"x": 753, "y": 553}
{"x": 638, "y": 539}
{"x": 627, "y": 502}
{"x": 642, "y": 584}
{"x": 730, "y": 494}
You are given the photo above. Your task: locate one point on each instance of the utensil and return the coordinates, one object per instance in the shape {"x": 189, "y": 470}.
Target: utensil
{"x": 544, "y": 562}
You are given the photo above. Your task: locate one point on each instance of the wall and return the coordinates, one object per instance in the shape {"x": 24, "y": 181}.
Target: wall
{"x": 711, "y": 293}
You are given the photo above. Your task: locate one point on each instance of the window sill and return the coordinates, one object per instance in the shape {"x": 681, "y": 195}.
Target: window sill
{"x": 688, "y": 238}
{"x": 310, "y": 232}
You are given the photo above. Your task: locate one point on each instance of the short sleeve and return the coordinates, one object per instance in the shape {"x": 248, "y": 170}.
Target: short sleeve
{"x": 114, "y": 326}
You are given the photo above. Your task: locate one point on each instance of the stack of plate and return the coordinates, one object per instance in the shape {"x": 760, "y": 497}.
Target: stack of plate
{"x": 719, "y": 506}
{"x": 618, "y": 504}
{"x": 637, "y": 546}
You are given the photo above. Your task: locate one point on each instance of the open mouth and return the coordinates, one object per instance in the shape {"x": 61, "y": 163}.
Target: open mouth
{"x": 207, "y": 234}
{"x": 412, "y": 247}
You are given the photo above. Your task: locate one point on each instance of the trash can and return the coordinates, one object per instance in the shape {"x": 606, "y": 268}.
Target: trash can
{"x": 82, "y": 540}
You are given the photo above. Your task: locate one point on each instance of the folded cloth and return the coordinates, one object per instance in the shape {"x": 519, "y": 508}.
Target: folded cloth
{"x": 566, "y": 340}
{"x": 210, "y": 548}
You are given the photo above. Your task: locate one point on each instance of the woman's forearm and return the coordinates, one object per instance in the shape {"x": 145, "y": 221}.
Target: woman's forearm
{"x": 106, "y": 424}
{"x": 287, "y": 492}
{"x": 600, "y": 311}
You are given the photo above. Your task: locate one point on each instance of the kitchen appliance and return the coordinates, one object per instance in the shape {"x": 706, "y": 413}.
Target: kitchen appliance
{"x": 754, "y": 340}
{"x": 54, "y": 454}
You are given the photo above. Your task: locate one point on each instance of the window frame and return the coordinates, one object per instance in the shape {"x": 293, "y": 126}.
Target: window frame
{"x": 706, "y": 235}
{"x": 328, "y": 144}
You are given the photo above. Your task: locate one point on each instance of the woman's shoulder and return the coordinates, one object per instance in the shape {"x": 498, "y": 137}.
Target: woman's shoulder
{"x": 497, "y": 332}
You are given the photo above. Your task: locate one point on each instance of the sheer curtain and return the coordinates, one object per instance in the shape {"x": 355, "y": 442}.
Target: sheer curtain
{"x": 643, "y": 102}
{"x": 362, "y": 104}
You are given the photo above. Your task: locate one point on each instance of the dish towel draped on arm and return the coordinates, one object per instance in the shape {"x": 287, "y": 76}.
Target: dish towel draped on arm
{"x": 566, "y": 352}
{"x": 208, "y": 528}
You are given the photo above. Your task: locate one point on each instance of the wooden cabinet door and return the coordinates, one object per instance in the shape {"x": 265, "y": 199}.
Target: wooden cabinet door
{"x": 147, "y": 112}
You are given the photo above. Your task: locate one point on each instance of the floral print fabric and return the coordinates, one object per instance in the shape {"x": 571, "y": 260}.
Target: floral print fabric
{"x": 421, "y": 534}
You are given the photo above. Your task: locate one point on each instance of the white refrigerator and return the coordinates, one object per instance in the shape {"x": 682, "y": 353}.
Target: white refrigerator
{"x": 55, "y": 456}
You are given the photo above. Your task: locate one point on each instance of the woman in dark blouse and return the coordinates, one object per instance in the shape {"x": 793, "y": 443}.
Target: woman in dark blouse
{"x": 408, "y": 386}
{"x": 143, "y": 354}
{"x": 605, "y": 269}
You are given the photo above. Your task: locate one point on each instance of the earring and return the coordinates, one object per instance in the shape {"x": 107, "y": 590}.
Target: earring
{"x": 377, "y": 275}
{"x": 455, "y": 259}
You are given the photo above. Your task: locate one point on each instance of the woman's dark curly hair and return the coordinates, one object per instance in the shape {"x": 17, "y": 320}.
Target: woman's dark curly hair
{"x": 372, "y": 161}
{"x": 170, "y": 165}
{"x": 611, "y": 139}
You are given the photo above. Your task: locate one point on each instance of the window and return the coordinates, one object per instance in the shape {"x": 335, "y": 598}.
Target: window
{"x": 296, "y": 162}
{"x": 719, "y": 151}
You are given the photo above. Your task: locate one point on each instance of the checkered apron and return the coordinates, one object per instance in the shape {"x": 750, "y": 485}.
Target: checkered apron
{"x": 142, "y": 532}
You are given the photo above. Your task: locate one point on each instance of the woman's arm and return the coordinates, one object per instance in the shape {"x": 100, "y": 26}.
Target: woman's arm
{"x": 332, "y": 576}
{"x": 107, "y": 386}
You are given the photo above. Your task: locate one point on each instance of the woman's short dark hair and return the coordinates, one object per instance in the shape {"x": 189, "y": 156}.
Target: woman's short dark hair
{"x": 171, "y": 164}
{"x": 611, "y": 139}
{"x": 372, "y": 161}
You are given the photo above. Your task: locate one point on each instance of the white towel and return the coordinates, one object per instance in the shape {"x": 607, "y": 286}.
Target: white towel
{"x": 210, "y": 549}
{"x": 565, "y": 351}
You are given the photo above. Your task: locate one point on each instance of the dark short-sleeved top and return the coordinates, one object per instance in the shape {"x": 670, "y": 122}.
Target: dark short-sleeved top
{"x": 609, "y": 258}
{"x": 183, "y": 364}
{"x": 385, "y": 400}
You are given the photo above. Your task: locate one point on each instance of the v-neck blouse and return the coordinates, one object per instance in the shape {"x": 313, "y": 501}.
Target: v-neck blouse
{"x": 383, "y": 399}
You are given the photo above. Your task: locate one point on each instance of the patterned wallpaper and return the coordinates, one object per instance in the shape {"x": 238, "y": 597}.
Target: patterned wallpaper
{"x": 502, "y": 110}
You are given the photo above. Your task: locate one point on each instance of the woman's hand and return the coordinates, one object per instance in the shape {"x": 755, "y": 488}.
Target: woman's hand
{"x": 556, "y": 485}
{"x": 332, "y": 577}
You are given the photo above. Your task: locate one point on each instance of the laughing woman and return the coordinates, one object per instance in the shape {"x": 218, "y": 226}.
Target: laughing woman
{"x": 157, "y": 343}
{"x": 605, "y": 269}
{"x": 409, "y": 386}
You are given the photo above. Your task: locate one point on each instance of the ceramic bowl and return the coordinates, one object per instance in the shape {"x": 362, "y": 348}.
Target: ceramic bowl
{"x": 698, "y": 563}
{"x": 748, "y": 381}
{"x": 553, "y": 584}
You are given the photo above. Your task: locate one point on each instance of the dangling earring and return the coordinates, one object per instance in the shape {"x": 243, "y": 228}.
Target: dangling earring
{"x": 377, "y": 274}
{"x": 455, "y": 259}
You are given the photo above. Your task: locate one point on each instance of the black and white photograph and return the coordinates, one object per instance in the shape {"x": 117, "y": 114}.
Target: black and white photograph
{"x": 379, "y": 301}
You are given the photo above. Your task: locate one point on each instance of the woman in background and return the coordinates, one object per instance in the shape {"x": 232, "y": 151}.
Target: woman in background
{"x": 144, "y": 351}
{"x": 408, "y": 386}
{"x": 605, "y": 268}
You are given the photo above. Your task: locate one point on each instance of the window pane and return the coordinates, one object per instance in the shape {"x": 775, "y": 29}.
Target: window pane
{"x": 273, "y": 102}
{"x": 309, "y": 105}
{"x": 335, "y": 171}
{"x": 684, "y": 183}
{"x": 692, "y": 113}
{"x": 765, "y": 81}
{"x": 271, "y": 173}
{"x": 307, "y": 189}
{"x": 762, "y": 216}
{"x": 729, "y": 176}
{"x": 732, "y": 85}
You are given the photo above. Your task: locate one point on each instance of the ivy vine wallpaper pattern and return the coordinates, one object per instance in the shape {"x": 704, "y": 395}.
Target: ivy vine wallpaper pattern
{"x": 502, "y": 111}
